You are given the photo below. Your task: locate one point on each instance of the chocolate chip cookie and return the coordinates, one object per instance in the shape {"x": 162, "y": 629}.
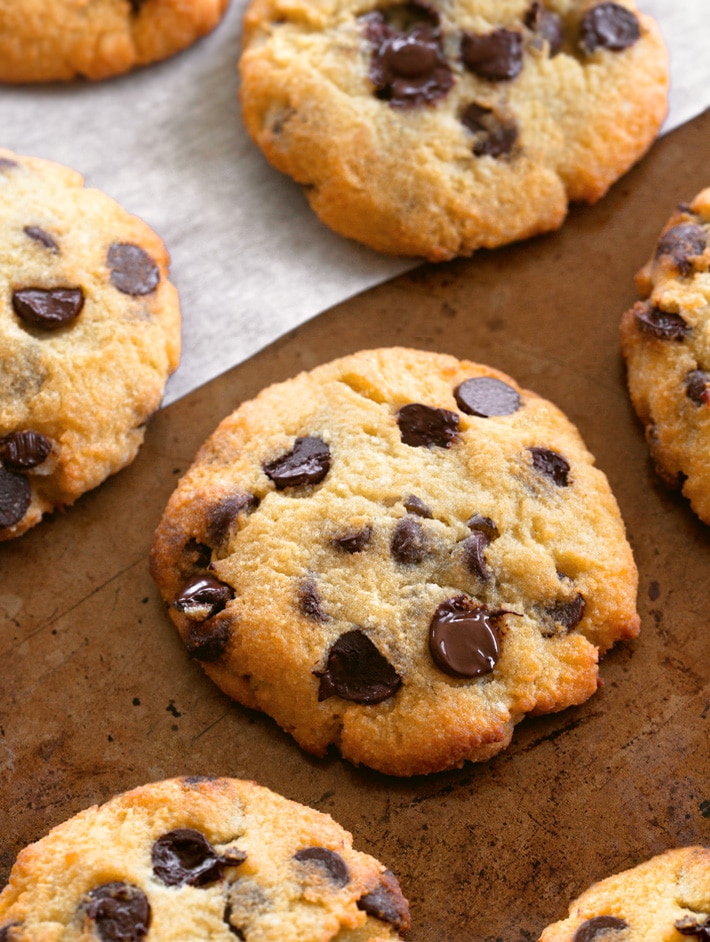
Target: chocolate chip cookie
{"x": 200, "y": 858}
{"x": 665, "y": 899}
{"x": 56, "y": 40}
{"x": 400, "y": 553}
{"x": 89, "y": 332}
{"x": 665, "y": 340}
{"x": 433, "y": 129}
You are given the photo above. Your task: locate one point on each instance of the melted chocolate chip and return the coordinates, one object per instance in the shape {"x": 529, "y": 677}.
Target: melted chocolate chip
{"x": 598, "y": 928}
{"x": 415, "y": 505}
{"x": 463, "y": 639}
{"x": 697, "y": 387}
{"x": 308, "y": 462}
{"x": 15, "y": 497}
{"x": 694, "y": 925}
{"x": 136, "y": 5}
{"x": 203, "y": 597}
{"x": 309, "y": 601}
{"x": 478, "y": 522}
{"x": 357, "y": 671}
{"x": 662, "y": 325}
{"x": 387, "y": 903}
{"x": 133, "y": 271}
{"x": 185, "y": 857}
{"x": 546, "y": 24}
{"x": 23, "y": 450}
{"x": 120, "y": 912}
{"x": 474, "y": 551}
{"x": 496, "y": 56}
{"x": 683, "y": 243}
{"x": 5, "y": 930}
{"x": 421, "y": 426}
{"x": 609, "y": 26}
{"x": 48, "y": 308}
{"x": 197, "y": 555}
{"x": 566, "y": 614}
{"x": 207, "y": 640}
{"x": 327, "y": 860}
{"x": 551, "y": 464}
{"x": 494, "y": 137}
{"x": 486, "y": 396}
{"x": 39, "y": 235}
{"x": 222, "y": 515}
{"x": 408, "y": 543}
{"x": 353, "y": 540}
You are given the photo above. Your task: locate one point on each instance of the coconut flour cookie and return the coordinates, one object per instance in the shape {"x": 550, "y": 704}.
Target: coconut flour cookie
{"x": 665, "y": 340}
{"x": 433, "y": 129}
{"x": 399, "y": 553}
{"x": 200, "y": 858}
{"x": 56, "y": 40}
{"x": 89, "y": 332}
{"x": 665, "y": 899}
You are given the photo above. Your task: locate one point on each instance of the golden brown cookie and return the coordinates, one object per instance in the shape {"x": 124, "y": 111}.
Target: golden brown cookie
{"x": 400, "y": 553}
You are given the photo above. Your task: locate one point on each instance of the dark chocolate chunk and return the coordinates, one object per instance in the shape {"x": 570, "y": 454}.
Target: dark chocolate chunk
{"x": 697, "y": 383}
{"x": 387, "y": 903}
{"x": 309, "y": 601}
{"x": 546, "y": 24}
{"x": 185, "y": 857}
{"x": 22, "y": 450}
{"x": 48, "y": 308}
{"x": 683, "y": 243}
{"x": 327, "y": 860}
{"x": 119, "y": 911}
{"x": 39, "y": 235}
{"x": 197, "y": 555}
{"x": 357, "y": 671}
{"x": 408, "y": 543}
{"x": 353, "y": 540}
{"x": 566, "y": 614}
{"x": 15, "y": 497}
{"x": 415, "y": 505}
{"x": 207, "y": 640}
{"x": 308, "y": 462}
{"x": 494, "y": 137}
{"x": 421, "y": 426}
{"x": 407, "y": 67}
{"x": 698, "y": 926}
{"x": 496, "y": 56}
{"x": 662, "y": 325}
{"x": 609, "y": 26}
{"x": 5, "y": 930}
{"x": 474, "y": 551}
{"x": 463, "y": 638}
{"x": 486, "y": 396}
{"x": 203, "y": 597}
{"x": 222, "y": 515}
{"x": 478, "y": 522}
{"x": 551, "y": 464}
{"x": 133, "y": 271}
{"x": 599, "y": 928}
{"x": 227, "y": 917}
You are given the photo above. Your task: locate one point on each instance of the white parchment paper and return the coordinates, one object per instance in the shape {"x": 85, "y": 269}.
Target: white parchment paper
{"x": 249, "y": 258}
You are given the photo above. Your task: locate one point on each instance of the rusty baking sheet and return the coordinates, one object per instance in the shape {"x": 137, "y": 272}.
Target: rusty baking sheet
{"x": 98, "y": 694}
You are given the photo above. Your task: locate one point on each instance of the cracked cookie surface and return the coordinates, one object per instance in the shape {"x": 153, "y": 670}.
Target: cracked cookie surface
{"x": 200, "y": 858}
{"x": 399, "y": 553}
{"x": 434, "y": 129}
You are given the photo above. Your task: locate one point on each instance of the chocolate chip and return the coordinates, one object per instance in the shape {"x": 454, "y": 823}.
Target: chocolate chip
{"x": 478, "y": 522}
{"x": 683, "y": 243}
{"x": 353, "y": 540}
{"x": 694, "y": 925}
{"x": 185, "y": 857}
{"x": 496, "y": 56}
{"x": 136, "y": 5}
{"x": 599, "y": 928}
{"x": 39, "y": 235}
{"x": 551, "y": 464}
{"x": 227, "y": 916}
{"x": 408, "y": 542}
{"x": 463, "y": 639}
{"x": 697, "y": 387}
{"x": 309, "y": 601}
{"x": 308, "y": 462}
{"x": 421, "y": 426}
{"x": 23, "y": 450}
{"x": 546, "y": 24}
{"x": 207, "y": 640}
{"x": 566, "y": 614}
{"x": 133, "y": 271}
{"x": 357, "y": 671}
{"x": 387, "y": 903}
{"x": 408, "y": 67}
{"x": 486, "y": 396}
{"x": 222, "y": 515}
{"x": 494, "y": 137}
{"x": 15, "y": 497}
{"x": 196, "y": 555}
{"x": 608, "y": 26}
{"x": 333, "y": 864}
{"x": 5, "y": 930}
{"x": 7, "y": 164}
{"x": 415, "y": 505}
{"x": 203, "y": 597}
{"x": 120, "y": 912}
{"x": 474, "y": 547}
{"x": 662, "y": 325}
{"x": 48, "y": 308}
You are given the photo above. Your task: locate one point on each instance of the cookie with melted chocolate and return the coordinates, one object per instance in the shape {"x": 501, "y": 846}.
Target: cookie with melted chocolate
{"x": 89, "y": 333}
{"x": 200, "y": 858}
{"x": 413, "y": 552}
{"x": 434, "y": 129}
{"x": 665, "y": 341}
